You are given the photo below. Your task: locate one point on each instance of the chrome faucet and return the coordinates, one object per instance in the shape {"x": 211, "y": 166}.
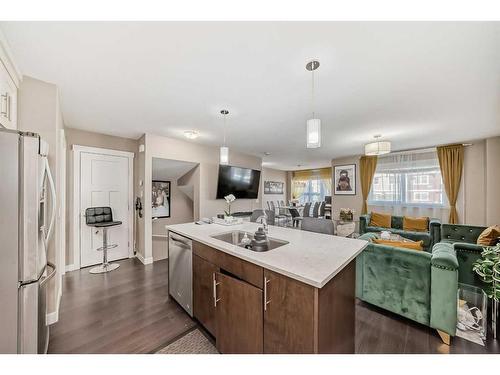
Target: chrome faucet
{"x": 263, "y": 221}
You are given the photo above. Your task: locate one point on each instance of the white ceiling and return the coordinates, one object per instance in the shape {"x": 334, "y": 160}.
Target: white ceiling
{"x": 169, "y": 169}
{"x": 416, "y": 83}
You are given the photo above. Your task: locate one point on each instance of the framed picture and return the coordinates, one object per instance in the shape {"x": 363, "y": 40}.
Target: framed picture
{"x": 345, "y": 179}
{"x": 273, "y": 187}
{"x": 160, "y": 199}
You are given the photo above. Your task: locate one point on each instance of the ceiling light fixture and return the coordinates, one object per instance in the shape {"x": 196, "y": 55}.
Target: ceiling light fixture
{"x": 224, "y": 150}
{"x": 313, "y": 127}
{"x": 378, "y": 147}
{"x": 191, "y": 134}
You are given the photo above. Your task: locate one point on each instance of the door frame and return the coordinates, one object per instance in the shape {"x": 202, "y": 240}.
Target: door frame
{"x": 77, "y": 215}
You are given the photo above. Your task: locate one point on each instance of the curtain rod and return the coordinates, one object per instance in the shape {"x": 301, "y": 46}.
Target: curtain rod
{"x": 430, "y": 148}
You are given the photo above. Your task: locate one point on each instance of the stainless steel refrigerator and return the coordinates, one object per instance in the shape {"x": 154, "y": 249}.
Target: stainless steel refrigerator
{"x": 27, "y": 214}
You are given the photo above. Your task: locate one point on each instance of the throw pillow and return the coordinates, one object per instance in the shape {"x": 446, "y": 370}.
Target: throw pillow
{"x": 404, "y": 244}
{"x": 415, "y": 224}
{"x": 380, "y": 220}
{"x": 489, "y": 236}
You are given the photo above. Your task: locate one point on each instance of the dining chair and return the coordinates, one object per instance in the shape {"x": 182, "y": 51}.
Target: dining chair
{"x": 307, "y": 209}
{"x": 313, "y": 224}
{"x": 315, "y": 209}
{"x": 269, "y": 205}
{"x": 296, "y": 218}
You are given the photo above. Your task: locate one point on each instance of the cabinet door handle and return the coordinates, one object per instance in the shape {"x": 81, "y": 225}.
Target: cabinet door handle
{"x": 8, "y": 106}
{"x": 5, "y": 97}
{"x": 266, "y": 302}
{"x": 215, "y": 283}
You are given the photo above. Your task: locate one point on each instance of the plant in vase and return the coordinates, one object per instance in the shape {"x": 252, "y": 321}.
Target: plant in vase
{"x": 488, "y": 268}
{"x": 229, "y": 200}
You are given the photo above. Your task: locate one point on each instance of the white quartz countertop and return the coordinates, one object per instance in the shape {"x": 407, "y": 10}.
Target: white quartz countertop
{"x": 312, "y": 258}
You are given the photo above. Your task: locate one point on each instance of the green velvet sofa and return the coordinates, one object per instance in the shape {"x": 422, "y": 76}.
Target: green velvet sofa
{"x": 419, "y": 285}
{"x": 463, "y": 239}
{"x": 432, "y": 236}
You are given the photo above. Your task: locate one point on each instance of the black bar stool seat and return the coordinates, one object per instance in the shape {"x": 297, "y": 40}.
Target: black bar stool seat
{"x": 102, "y": 217}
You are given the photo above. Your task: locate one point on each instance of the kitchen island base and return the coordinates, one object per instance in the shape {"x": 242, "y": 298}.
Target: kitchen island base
{"x": 250, "y": 309}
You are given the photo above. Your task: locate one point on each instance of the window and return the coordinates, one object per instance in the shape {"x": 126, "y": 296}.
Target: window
{"x": 408, "y": 179}
{"x": 311, "y": 185}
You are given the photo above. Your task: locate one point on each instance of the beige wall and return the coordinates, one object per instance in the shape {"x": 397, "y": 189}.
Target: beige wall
{"x": 181, "y": 211}
{"x": 477, "y": 203}
{"x": 39, "y": 112}
{"x": 269, "y": 174}
{"x": 89, "y": 139}
{"x": 208, "y": 158}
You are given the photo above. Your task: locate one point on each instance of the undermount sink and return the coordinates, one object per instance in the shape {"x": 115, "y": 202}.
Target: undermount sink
{"x": 234, "y": 238}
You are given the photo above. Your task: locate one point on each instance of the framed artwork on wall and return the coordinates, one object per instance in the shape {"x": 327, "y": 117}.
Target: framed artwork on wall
{"x": 345, "y": 179}
{"x": 160, "y": 199}
{"x": 273, "y": 187}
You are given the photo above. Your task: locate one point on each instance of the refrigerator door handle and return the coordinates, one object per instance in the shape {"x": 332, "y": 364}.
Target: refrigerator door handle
{"x": 50, "y": 275}
{"x": 53, "y": 203}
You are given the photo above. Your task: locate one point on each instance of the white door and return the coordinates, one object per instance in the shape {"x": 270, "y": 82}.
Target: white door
{"x": 104, "y": 181}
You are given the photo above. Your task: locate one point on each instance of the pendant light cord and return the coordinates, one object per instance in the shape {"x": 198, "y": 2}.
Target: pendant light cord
{"x": 224, "y": 143}
{"x": 312, "y": 92}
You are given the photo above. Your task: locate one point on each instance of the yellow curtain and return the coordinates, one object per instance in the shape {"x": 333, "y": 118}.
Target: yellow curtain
{"x": 367, "y": 166}
{"x": 451, "y": 161}
{"x": 323, "y": 173}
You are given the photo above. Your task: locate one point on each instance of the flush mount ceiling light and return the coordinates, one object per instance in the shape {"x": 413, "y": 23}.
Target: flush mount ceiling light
{"x": 191, "y": 134}
{"x": 378, "y": 147}
{"x": 313, "y": 127}
{"x": 224, "y": 150}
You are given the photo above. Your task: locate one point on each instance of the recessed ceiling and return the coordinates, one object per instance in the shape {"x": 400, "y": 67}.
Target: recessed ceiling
{"x": 417, "y": 83}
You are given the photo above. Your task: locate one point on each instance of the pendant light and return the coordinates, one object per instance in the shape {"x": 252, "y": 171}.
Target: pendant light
{"x": 378, "y": 147}
{"x": 313, "y": 127}
{"x": 224, "y": 150}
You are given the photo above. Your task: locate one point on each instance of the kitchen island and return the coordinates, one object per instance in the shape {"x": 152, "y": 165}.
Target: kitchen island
{"x": 296, "y": 298}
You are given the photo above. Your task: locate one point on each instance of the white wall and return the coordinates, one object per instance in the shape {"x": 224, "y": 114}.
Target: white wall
{"x": 205, "y": 191}
{"x": 269, "y": 174}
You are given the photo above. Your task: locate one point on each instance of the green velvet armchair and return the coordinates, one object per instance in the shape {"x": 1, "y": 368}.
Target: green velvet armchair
{"x": 419, "y": 285}
{"x": 463, "y": 238}
{"x": 432, "y": 236}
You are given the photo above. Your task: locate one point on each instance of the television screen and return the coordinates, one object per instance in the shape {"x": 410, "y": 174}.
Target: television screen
{"x": 241, "y": 182}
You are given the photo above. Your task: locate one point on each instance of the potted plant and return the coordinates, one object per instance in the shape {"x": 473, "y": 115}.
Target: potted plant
{"x": 488, "y": 268}
{"x": 229, "y": 200}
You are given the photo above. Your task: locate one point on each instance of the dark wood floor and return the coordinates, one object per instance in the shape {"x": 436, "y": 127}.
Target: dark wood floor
{"x": 127, "y": 311}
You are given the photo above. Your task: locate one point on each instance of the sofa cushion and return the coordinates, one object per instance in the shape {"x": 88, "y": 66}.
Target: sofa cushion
{"x": 415, "y": 224}
{"x": 380, "y": 220}
{"x": 414, "y": 245}
{"x": 489, "y": 236}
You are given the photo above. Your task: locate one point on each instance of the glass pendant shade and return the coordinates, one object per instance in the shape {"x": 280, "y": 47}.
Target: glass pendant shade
{"x": 377, "y": 148}
{"x": 314, "y": 133}
{"x": 224, "y": 155}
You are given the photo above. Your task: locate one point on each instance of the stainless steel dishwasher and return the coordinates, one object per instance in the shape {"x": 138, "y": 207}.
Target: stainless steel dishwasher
{"x": 180, "y": 270}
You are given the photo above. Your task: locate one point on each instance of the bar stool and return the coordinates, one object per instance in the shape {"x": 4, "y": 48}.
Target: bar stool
{"x": 102, "y": 217}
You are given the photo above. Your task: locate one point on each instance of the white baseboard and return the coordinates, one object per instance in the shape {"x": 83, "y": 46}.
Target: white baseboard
{"x": 71, "y": 267}
{"x": 53, "y": 317}
{"x": 143, "y": 260}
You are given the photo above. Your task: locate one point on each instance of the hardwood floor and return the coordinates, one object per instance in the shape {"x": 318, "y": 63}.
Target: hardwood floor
{"x": 127, "y": 311}
{"x": 124, "y": 311}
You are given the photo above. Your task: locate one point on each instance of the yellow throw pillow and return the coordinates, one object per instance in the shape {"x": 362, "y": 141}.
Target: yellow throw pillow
{"x": 404, "y": 244}
{"x": 380, "y": 220}
{"x": 489, "y": 236}
{"x": 416, "y": 224}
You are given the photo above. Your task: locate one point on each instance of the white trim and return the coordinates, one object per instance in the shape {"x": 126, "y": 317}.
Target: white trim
{"x": 75, "y": 230}
{"x": 71, "y": 267}
{"x": 144, "y": 260}
{"x": 8, "y": 61}
{"x": 53, "y": 317}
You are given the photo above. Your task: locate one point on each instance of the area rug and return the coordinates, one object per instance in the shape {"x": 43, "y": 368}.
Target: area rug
{"x": 193, "y": 342}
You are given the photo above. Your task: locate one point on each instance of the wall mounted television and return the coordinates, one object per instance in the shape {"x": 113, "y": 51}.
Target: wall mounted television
{"x": 243, "y": 183}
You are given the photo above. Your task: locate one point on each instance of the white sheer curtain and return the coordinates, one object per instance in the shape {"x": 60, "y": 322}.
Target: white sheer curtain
{"x": 409, "y": 184}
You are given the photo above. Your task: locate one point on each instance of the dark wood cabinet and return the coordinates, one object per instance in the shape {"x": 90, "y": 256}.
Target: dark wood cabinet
{"x": 289, "y": 315}
{"x": 203, "y": 300}
{"x": 239, "y": 316}
{"x": 261, "y": 311}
